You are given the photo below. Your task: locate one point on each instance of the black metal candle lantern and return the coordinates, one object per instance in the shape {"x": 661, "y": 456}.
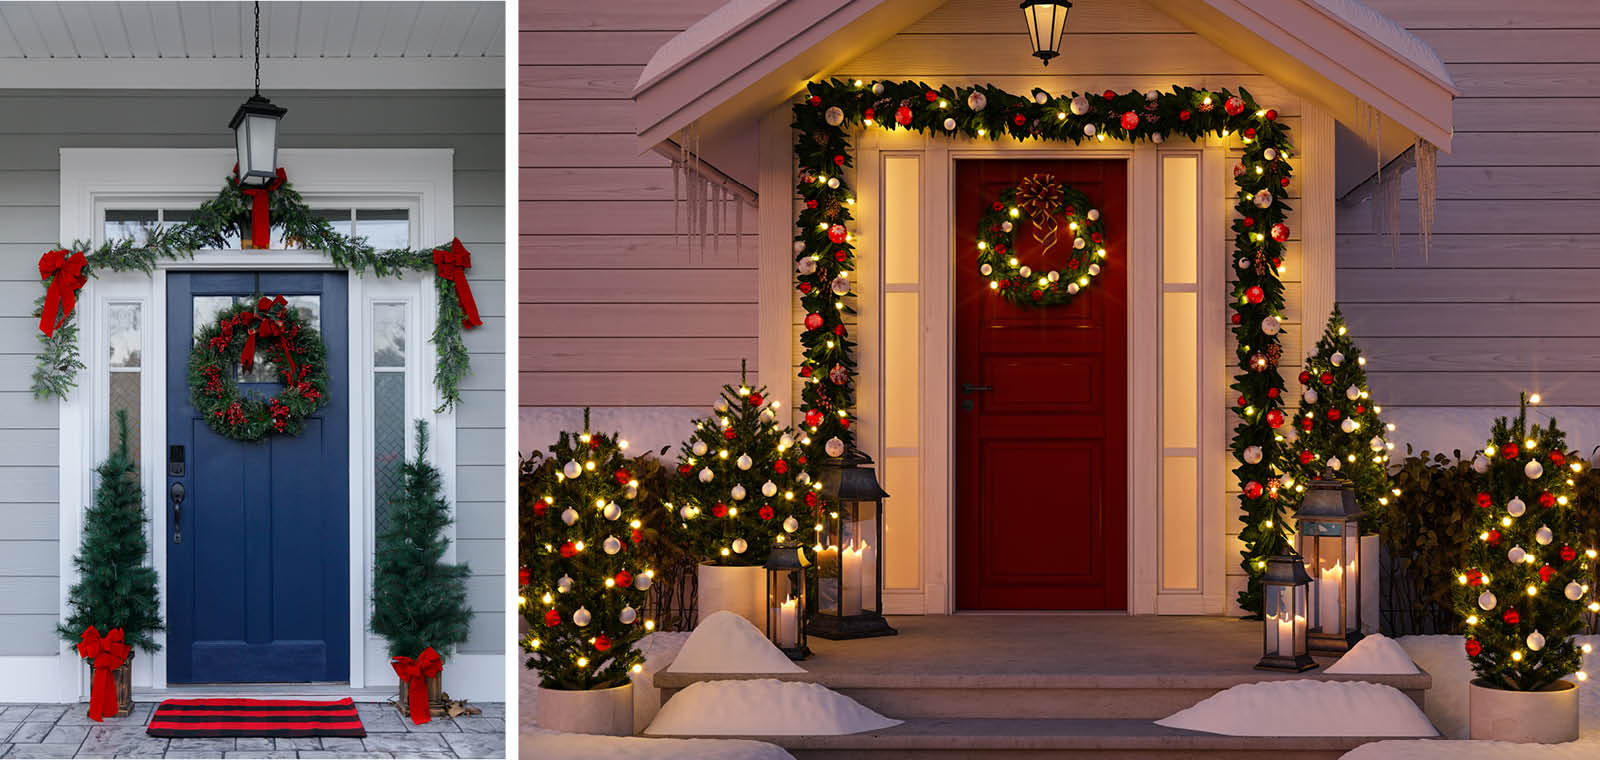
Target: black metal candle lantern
{"x": 850, "y": 552}
{"x": 786, "y": 600}
{"x": 1046, "y": 22}
{"x": 1328, "y": 524}
{"x": 255, "y": 130}
{"x": 1284, "y": 645}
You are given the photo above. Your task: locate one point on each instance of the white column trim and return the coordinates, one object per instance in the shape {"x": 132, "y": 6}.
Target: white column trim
{"x": 775, "y": 254}
{"x": 1317, "y": 223}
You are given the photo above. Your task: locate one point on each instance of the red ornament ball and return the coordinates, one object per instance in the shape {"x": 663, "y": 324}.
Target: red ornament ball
{"x": 1284, "y": 181}
{"x": 1493, "y": 540}
{"x": 765, "y": 512}
{"x": 811, "y": 204}
{"x": 868, "y": 114}
{"x": 1306, "y": 457}
{"x": 930, "y": 96}
{"x": 1510, "y": 451}
{"x": 1484, "y": 500}
{"x": 780, "y": 467}
{"x": 804, "y": 288}
{"x": 1272, "y": 393}
{"x": 1037, "y": 294}
{"x": 568, "y": 550}
{"x": 811, "y": 498}
{"x": 1547, "y": 500}
{"x": 1243, "y": 401}
{"x": 1108, "y": 94}
{"x": 1271, "y": 114}
{"x": 755, "y": 399}
{"x": 636, "y": 536}
{"x": 1326, "y": 379}
{"x": 1235, "y": 318}
{"x": 805, "y": 371}
{"x": 1130, "y": 121}
{"x": 1305, "y": 423}
{"x": 840, "y": 256}
{"x": 1305, "y": 377}
{"x": 1557, "y": 458}
{"x": 539, "y": 508}
{"x": 814, "y": 417}
{"x": 1019, "y": 120}
{"x": 1568, "y": 554}
{"x": 1275, "y": 418}
{"x": 1473, "y": 647}
{"x": 623, "y": 476}
{"x": 719, "y": 510}
{"x": 1280, "y": 232}
{"x": 902, "y": 116}
{"x": 624, "y": 578}
{"x": 838, "y": 160}
{"x": 524, "y": 576}
{"x": 1333, "y": 414}
{"x": 839, "y": 330}
{"x": 813, "y": 321}
{"x": 730, "y": 434}
{"x": 1546, "y": 572}
{"x": 1511, "y": 617}
{"x": 1474, "y": 578}
{"x": 837, "y": 233}
{"x": 1184, "y": 115}
{"x": 684, "y": 469}
{"x": 1254, "y": 294}
{"x": 1234, "y": 106}
{"x": 602, "y": 643}
{"x": 552, "y": 618}
{"x": 1253, "y": 490}
{"x": 814, "y": 100}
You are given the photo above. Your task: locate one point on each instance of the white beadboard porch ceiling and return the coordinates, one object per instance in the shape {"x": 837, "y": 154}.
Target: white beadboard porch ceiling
{"x": 304, "y": 45}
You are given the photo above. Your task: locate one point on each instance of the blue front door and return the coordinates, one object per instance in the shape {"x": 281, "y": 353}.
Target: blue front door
{"x": 258, "y": 557}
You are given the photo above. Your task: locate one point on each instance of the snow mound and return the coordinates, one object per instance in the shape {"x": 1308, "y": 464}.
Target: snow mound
{"x": 1469, "y": 750}
{"x": 763, "y": 707}
{"x": 724, "y": 642}
{"x": 549, "y": 745}
{"x": 1374, "y": 654}
{"x": 1305, "y": 708}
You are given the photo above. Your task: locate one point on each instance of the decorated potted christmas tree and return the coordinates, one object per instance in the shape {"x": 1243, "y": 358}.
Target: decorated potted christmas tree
{"x": 584, "y": 583}
{"x": 1521, "y": 594}
{"x": 115, "y": 609}
{"x": 419, "y": 602}
{"x": 742, "y": 485}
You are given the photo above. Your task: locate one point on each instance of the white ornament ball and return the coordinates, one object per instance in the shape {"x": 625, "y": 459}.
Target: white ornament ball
{"x": 977, "y": 101}
{"x": 1348, "y": 426}
{"x": 986, "y": 270}
{"x": 1053, "y": 276}
{"x": 799, "y": 247}
{"x": 1041, "y": 97}
{"x": 582, "y": 617}
{"x": 1094, "y": 269}
{"x": 877, "y": 88}
{"x": 699, "y": 448}
{"x": 569, "y": 515}
{"x": 1089, "y": 130}
{"x": 1291, "y": 435}
{"x": 1376, "y": 443}
{"x": 1544, "y": 535}
{"x": 1156, "y": 138}
{"x": 1007, "y": 226}
{"x": 1516, "y": 507}
{"x": 686, "y": 512}
{"x": 642, "y": 581}
{"x": 1310, "y": 396}
{"x": 790, "y": 525}
{"x": 803, "y": 478}
{"x": 767, "y": 415}
{"x": 1334, "y": 464}
{"x": 706, "y": 475}
{"x": 1352, "y": 393}
{"x": 612, "y": 511}
{"x": 611, "y": 545}
{"x": 806, "y": 266}
{"x": 1252, "y": 454}
{"x": 834, "y": 447}
{"x": 721, "y": 404}
{"x": 1072, "y": 288}
{"x": 834, "y": 116}
{"x": 1243, "y": 264}
{"x": 628, "y": 615}
{"x": 1480, "y": 464}
{"x": 744, "y": 462}
{"x": 1573, "y": 591}
{"x": 1486, "y": 600}
{"x": 739, "y": 545}
{"x": 949, "y": 125}
{"x": 1079, "y": 243}
{"x": 785, "y": 441}
{"x": 1535, "y": 641}
{"x": 1080, "y": 105}
{"x": 833, "y": 183}
{"x": 1270, "y": 154}
{"x": 1152, "y": 95}
{"x": 1270, "y": 325}
{"x": 737, "y": 492}
{"x": 769, "y": 489}
{"x": 572, "y": 469}
{"x": 1337, "y": 359}
{"x": 1516, "y": 555}
{"x": 1533, "y": 469}
{"x": 1263, "y": 199}
{"x": 1025, "y": 271}
{"x": 564, "y": 584}
{"x": 1094, "y": 215}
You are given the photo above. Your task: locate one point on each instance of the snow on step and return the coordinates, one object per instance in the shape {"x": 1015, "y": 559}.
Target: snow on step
{"x": 1305, "y": 708}
{"x": 763, "y": 707}
{"x": 1375, "y": 654}
{"x": 724, "y": 642}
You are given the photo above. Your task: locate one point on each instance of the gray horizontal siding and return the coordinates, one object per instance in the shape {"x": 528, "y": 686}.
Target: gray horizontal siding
{"x": 35, "y": 126}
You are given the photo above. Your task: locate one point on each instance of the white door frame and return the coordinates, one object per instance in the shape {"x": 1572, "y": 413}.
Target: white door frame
{"x": 421, "y": 180}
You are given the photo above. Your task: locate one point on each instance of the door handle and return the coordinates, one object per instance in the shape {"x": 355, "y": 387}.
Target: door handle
{"x": 970, "y": 388}
{"x": 177, "y": 492}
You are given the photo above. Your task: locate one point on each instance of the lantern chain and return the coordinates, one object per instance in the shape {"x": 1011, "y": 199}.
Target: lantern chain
{"x": 258, "y": 48}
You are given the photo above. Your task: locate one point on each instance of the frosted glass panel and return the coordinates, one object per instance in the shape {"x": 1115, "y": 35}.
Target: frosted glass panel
{"x": 122, "y": 328}
{"x": 1180, "y": 524}
{"x": 902, "y": 218}
{"x": 389, "y": 335}
{"x": 1179, "y": 396}
{"x": 1180, "y": 232}
{"x": 902, "y": 523}
{"x": 384, "y": 229}
{"x": 900, "y": 363}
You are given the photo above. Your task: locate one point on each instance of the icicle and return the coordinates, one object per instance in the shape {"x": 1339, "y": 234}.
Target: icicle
{"x": 1427, "y": 157}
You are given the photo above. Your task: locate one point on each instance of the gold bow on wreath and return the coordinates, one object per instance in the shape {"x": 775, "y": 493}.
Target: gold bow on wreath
{"x": 1040, "y": 197}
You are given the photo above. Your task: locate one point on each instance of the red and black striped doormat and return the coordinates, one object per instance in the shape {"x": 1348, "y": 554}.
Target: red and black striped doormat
{"x": 255, "y": 717}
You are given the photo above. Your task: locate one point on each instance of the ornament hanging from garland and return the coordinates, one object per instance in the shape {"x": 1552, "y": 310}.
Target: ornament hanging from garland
{"x": 269, "y": 331}
{"x": 1041, "y": 198}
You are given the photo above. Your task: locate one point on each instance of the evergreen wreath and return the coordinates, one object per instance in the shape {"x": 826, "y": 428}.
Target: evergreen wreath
{"x": 275, "y": 332}
{"x": 1041, "y": 198}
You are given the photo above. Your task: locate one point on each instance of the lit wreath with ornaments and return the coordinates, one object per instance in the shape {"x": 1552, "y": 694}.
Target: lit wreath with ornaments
{"x": 1041, "y": 198}
{"x": 270, "y": 331}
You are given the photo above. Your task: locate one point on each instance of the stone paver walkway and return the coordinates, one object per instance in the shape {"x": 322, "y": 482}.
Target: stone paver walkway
{"x": 63, "y": 731}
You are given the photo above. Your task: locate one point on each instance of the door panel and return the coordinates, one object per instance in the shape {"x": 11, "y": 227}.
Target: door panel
{"x": 1041, "y": 492}
{"x": 258, "y": 586}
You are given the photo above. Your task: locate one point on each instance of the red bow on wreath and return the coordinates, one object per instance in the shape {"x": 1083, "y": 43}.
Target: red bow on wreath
{"x": 266, "y": 326}
{"x": 66, "y": 268}
{"x": 416, "y": 674}
{"x": 260, "y": 220}
{"x": 105, "y": 655}
{"x": 452, "y": 264}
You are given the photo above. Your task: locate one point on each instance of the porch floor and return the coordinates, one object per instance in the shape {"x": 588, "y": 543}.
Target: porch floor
{"x": 64, "y": 731}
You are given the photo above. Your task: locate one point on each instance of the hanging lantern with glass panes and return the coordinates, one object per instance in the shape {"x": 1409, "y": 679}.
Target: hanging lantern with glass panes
{"x": 1283, "y": 617}
{"x": 1328, "y": 524}
{"x": 786, "y": 599}
{"x": 1046, "y": 22}
{"x": 850, "y": 552}
{"x": 255, "y": 130}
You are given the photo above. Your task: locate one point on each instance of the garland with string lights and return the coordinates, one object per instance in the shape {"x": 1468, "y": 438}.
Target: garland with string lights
{"x": 236, "y": 213}
{"x": 1040, "y": 197}
{"x": 825, "y": 255}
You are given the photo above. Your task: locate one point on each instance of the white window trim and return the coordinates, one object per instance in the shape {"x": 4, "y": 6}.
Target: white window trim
{"x": 419, "y": 179}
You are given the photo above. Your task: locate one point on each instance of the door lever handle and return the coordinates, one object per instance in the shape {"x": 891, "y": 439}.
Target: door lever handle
{"x": 970, "y": 388}
{"x": 177, "y": 491}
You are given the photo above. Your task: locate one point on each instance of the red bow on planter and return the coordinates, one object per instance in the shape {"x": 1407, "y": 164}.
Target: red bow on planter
{"x": 261, "y": 323}
{"x": 452, "y": 264}
{"x": 62, "y": 295}
{"x": 416, "y": 674}
{"x": 105, "y": 655}
{"x": 260, "y": 220}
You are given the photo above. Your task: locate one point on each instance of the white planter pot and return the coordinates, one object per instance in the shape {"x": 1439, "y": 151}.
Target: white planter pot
{"x": 740, "y": 590}
{"x": 598, "y": 711}
{"x": 1546, "y": 717}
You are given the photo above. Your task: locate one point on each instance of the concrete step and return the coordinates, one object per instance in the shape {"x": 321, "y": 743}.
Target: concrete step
{"x": 1012, "y": 738}
{"x": 1146, "y": 697}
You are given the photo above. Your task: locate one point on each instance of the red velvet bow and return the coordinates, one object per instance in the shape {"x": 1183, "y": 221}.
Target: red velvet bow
{"x": 260, "y": 220}
{"x": 416, "y": 674}
{"x": 105, "y": 655}
{"x": 452, "y": 264}
{"x": 62, "y": 294}
{"x": 262, "y": 324}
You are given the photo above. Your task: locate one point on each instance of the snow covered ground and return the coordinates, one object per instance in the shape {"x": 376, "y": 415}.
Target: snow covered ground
{"x": 1306, "y": 707}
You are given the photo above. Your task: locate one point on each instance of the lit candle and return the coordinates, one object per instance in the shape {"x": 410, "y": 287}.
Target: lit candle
{"x": 1328, "y": 588}
{"x": 850, "y": 574}
{"x": 789, "y": 623}
{"x": 869, "y": 576}
{"x": 1285, "y": 634}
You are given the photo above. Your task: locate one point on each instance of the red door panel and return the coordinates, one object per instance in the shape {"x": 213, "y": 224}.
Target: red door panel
{"x": 1041, "y": 456}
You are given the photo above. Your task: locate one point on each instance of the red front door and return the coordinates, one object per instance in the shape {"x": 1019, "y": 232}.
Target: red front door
{"x": 1041, "y": 411}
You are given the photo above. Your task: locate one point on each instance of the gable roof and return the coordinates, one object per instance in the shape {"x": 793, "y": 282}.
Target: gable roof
{"x": 751, "y": 55}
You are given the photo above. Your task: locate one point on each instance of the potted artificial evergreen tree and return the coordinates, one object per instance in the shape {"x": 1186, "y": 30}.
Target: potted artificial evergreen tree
{"x": 1521, "y": 594}
{"x": 115, "y": 609}
{"x": 742, "y": 484}
{"x": 419, "y": 602}
{"x": 584, "y": 584}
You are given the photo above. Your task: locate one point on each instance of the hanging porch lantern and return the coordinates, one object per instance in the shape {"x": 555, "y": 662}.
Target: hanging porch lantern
{"x": 1046, "y": 21}
{"x": 786, "y": 599}
{"x": 1328, "y": 524}
{"x": 255, "y": 130}
{"x": 1284, "y": 645}
{"x": 850, "y": 552}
